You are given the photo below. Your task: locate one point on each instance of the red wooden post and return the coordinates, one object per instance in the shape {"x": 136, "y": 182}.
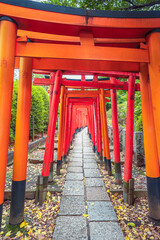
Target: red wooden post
{"x": 89, "y": 130}
{"x": 66, "y": 131}
{"x": 69, "y": 119}
{"x": 93, "y": 127}
{"x": 50, "y": 178}
{"x": 52, "y": 125}
{"x": 100, "y": 131}
{"x": 129, "y": 138}
{"x": 90, "y": 122}
{"x": 107, "y": 158}
{"x": 115, "y": 128}
{"x": 50, "y": 95}
{"x": 97, "y": 130}
{"x": 70, "y": 124}
{"x": 60, "y": 145}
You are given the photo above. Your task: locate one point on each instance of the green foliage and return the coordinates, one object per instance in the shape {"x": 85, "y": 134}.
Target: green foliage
{"x": 13, "y": 111}
{"x": 122, "y": 110}
{"x": 111, "y": 5}
{"x": 45, "y": 98}
{"x": 39, "y": 110}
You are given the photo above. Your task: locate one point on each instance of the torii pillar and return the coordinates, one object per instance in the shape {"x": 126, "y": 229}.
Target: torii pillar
{"x": 153, "y": 181}
{"x": 8, "y": 33}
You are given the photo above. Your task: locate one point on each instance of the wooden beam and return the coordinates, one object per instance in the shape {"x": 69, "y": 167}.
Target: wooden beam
{"x": 49, "y": 64}
{"x": 99, "y": 84}
{"x": 85, "y": 52}
{"x": 61, "y": 38}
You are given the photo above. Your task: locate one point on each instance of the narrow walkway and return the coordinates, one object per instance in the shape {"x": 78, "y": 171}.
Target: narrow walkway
{"x": 86, "y": 212}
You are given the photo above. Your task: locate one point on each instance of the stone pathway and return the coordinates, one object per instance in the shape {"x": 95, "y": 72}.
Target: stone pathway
{"x": 86, "y": 212}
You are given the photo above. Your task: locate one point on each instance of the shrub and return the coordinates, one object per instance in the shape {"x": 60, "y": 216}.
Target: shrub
{"x": 39, "y": 110}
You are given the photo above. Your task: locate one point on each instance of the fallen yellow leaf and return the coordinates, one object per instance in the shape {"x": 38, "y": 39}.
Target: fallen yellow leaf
{"x": 85, "y": 215}
{"x": 22, "y": 224}
{"x": 18, "y": 234}
{"x": 8, "y": 234}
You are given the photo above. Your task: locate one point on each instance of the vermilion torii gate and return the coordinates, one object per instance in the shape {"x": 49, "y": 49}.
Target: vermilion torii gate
{"x": 50, "y": 38}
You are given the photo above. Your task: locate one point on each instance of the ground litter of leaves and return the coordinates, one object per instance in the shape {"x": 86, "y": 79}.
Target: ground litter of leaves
{"x": 133, "y": 219}
{"x": 39, "y": 220}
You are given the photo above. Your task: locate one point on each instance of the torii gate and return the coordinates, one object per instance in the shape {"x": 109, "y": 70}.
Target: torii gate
{"x": 52, "y": 38}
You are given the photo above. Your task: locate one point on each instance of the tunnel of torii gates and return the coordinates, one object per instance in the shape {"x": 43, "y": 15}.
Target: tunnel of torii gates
{"x": 56, "y": 40}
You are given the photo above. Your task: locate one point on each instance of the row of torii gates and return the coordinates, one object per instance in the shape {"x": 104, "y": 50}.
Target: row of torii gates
{"x": 58, "y": 40}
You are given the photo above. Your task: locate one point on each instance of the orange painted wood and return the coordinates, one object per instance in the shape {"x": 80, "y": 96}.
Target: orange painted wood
{"x": 8, "y": 31}
{"x": 60, "y": 139}
{"x": 61, "y": 38}
{"x": 85, "y": 52}
{"x": 22, "y": 120}
{"x": 151, "y": 151}
{"x": 81, "y": 65}
{"x": 154, "y": 73}
{"x": 70, "y": 24}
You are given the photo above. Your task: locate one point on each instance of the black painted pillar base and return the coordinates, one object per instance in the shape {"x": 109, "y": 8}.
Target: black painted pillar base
{"x": 50, "y": 178}
{"x": 1, "y": 208}
{"x": 68, "y": 151}
{"x": 153, "y": 186}
{"x": 128, "y": 191}
{"x": 94, "y": 148}
{"x": 118, "y": 176}
{"x": 108, "y": 167}
{"x": 64, "y": 159}
{"x": 41, "y": 191}
{"x": 97, "y": 154}
{"x": 61, "y": 161}
{"x": 17, "y": 202}
{"x": 101, "y": 160}
{"x": 58, "y": 166}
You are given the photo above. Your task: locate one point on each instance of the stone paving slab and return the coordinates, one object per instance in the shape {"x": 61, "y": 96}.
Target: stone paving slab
{"x": 75, "y": 169}
{"x": 96, "y": 194}
{"x": 90, "y": 165}
{"x": 73, "y": 159}
{"x": 76, "y": 155}
{"x": 105, "y": 231}
{"x": 101, "y": 211}
{"x": 78, "y": 151}
{"x": 87, "y": 148}
{"x": 72, "y": 205}
{"x": 86, "y": 154}
{"x": 89, "y": 160}
{"x": 75, "y": 164}
{"x": 73, "y": 188}
{"x": 95, "y": 173}
{"x": 74, "y": 176}
{"x": 77, "y": 148}
{"x": 70, "y": 228}
{"x": 94, "y": 182}
{"x": 89, "y": 156}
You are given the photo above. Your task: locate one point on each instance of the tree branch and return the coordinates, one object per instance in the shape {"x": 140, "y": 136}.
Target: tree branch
{"x": 142, "y": 5}
{"x": 129, "y": 1}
